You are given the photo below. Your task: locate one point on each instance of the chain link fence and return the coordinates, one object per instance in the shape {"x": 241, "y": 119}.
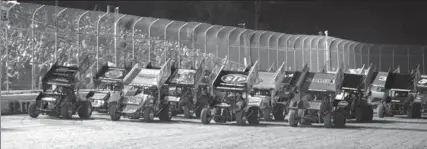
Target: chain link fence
{"x": 39, "y": 35}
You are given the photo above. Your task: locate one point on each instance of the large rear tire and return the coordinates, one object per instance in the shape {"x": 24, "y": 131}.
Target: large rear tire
{"x": 292, "y": 118}
{"x": 279, "y": 113}
{"x": 360, "y": 111}
{"x": 414, "y": 111}
{"x": 85, "y": 110}
{"x": 206, "y": 116}
{"x": 114, "y": 112}
{"x": 67, "y": 110}
{"x": 252, "y": 116}
{"x": 368, "y": 114}
{"x": 381, "y": 110}
{"x": 241, "y": 117}
{"x": 266, "y": 114}
{"x": 188, "y": 111}
{"x": 166, "y": 113}
{"x": 32, "y": 110}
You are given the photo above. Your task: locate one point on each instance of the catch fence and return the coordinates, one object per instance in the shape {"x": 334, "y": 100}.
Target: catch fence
{"x": 39, "y": 35}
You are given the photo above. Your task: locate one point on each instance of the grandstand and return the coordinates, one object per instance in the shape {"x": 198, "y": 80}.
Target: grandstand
{"x": 68, "y": 34}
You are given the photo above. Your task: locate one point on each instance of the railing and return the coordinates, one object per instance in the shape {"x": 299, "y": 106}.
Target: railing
{"x": 39, "y": 36}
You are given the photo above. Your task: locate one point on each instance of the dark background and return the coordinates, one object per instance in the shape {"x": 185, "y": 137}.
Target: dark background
{"x": 387, "y": 22}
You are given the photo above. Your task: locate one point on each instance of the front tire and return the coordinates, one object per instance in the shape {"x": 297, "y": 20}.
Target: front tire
{"x": 252, "y": 116}
{"x": 85, "y": 111}
{"x": 67, "y": 110}
{"x": 292, "y": 118}
{"x": 381, "y": 110}
{"x": 241, "y": 117}
{"x": 113, "y": 110}
{"x": 369, "y": 114}
{"x": 188, "y": 111}
{"x": 148, "y": 114}
{"x": 206, "y": 116}
{"x": 32, "y": 110}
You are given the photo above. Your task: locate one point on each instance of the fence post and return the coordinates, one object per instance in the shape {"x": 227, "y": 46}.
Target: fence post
{"x": 78, "y": 36}
{"x": 268, "y": 50}
{"x": 149, "y": 39}
{"x": 97, "y": 36}
{"x": 7, "y": 56}
{"x": 380, "y": 55}
{"x": 56, "y": 34}
{"x": 33, "y": 67}
{"x": 303, "y": 50}
{"x": 133, "y": 37}
{"x": 278, "y": 48}
{"x": 286, "y": 51}
{"x": 179, "y": 41}
{"x": 217, "y": 43}
{"x": 228, "y": 47}
{"x": 408, "y": 57}
{"x": 193, "y": 40}
{"x": 238, "y": 42}
{"x": 423, "y": 58}
{"x": 115, "y": 38}
{"x": 206, "y": 38}
{"x": 165, "y": 35}
{"x": 295, "y": 51}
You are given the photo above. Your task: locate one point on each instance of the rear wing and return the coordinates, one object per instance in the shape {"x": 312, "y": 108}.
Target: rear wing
{"x": 253, "y": 75}
{"x": 148, "y": 76}
{"x": 165, "y": 72}
{"x": 278, "y": 76}
{"x": 399, "y": 81}
{"x": 302, "y": 76}
{"x": 108, "y": 74}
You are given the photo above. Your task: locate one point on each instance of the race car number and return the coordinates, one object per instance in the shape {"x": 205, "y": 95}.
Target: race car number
{"x": 422, "y": 81}
{"x": 114, "y": 74}
{"x": 382, "y": 78}
{"x": 234, "y": 78}
{"x": 325, "y": 81}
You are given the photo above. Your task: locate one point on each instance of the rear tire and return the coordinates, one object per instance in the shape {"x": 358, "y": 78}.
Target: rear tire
{"x": 339, "y": 119}
{"x": 279, "y": 113}
{"x": 253, "y": 117}
{"x": 32, "y": 110}
{"x": 381, "y": 110}
{"x": 187, "y": 111}
{"x": 368, "y": 114}
{"x": 360, "y": 113}
{"x": 148, "y": 114}
{"x": 166, "y": 113}
{"x": 241, "y": 117}
{"x": 414, "y": 111}
{"x": 66, "y": 110}
{"x": 113, "y": 110}
{"x": 292, "y": 118}
{"x": 85, "y": 110}
{"x": 266, "y": 113}
{"x": 206, "y": 116}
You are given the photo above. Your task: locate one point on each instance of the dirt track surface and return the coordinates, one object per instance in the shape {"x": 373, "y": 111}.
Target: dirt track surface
{"x": 22, "y": 132}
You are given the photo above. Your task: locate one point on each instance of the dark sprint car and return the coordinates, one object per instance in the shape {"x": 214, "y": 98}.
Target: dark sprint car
{"x": 183, "y": 90}
{"x": 353, "y": 90}
{"x": 315, "y": 100}
{"x": 58, "y": 97}
{"x": 265, "y": 92}
{"x": 230, "y": 97}
{"x": 422, "y": 91}
{"x": 148, "y": 101}
{"x": 109, "y": 85}
{"x": 399, "y": 98}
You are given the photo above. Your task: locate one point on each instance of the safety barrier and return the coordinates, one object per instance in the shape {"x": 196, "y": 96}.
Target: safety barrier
{"x": 43, "y": 34}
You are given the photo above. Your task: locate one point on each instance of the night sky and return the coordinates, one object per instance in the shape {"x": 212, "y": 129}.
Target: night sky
{"x": 385, "y": 22}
